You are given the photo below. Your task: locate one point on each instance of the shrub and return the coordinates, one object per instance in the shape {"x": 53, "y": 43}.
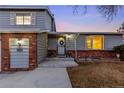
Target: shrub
{"x": 120, "y": 50}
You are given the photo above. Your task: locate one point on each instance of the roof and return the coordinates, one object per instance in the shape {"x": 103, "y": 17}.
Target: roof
{"x": 23, "y": 7}
{"x": 89, "y": 33}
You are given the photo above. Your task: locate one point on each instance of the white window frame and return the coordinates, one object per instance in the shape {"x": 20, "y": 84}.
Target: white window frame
{"x": 91, "y": 36}
{"x": 23, "y": 18}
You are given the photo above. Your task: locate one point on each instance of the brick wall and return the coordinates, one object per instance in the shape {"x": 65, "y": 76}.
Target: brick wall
{"x": 93, "y": 53}
{"x": 32, "y": 50}
{"x": 85, "y": 53}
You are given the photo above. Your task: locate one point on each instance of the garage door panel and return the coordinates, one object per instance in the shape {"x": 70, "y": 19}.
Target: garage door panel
{"x": 19, "y": 53}
{"x": 19, "y": 65}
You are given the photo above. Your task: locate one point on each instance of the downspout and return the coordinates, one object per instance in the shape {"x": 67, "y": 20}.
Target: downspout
{"x": 76, "y": 45}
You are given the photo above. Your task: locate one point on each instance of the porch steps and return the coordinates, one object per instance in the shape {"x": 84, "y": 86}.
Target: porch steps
{"x": 61, "y": 56}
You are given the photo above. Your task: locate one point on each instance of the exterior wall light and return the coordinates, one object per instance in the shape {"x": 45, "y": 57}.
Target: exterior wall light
{"x": 68, "y": 36}
{"x": 19, "y": 44}
{"x": 19, "y": 41}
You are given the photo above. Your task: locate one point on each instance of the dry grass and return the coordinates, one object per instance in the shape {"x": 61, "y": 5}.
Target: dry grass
{"x": 97, "y": 75}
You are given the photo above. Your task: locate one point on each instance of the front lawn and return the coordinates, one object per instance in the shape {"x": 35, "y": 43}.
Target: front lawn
{"x": 97, "y": 75}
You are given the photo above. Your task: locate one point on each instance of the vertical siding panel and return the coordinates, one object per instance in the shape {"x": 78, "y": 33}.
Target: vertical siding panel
{"x": 41, "y": 46}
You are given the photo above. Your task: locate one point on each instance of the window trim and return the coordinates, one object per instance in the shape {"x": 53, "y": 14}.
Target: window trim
{"x": 23, "y": 18}
{"x": 91, "y": 36}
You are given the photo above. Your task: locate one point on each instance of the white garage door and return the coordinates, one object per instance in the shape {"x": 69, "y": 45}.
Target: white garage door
{"x": 19, "y": 53}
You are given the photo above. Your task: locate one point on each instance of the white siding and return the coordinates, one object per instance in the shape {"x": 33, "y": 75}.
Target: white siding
{"x": 112, "y": 40}
{"x": 41, "y": 20}
{"x": 48, "y": 22}
{"x": 33, "y": 21}
{"x": 109, "y": 42}
{"x": 52, "y": 44}
{"x": 41, "y": 47}
{"x": 80, "y": 43}
{"x": 12, "y": 18}
{"x": 70, "y": 44}
{"x": 7, "y": 21}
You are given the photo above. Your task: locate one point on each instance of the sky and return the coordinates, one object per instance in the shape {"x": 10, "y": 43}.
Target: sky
{"x": 92, "y": 21}
{"x": 66, "y": 21}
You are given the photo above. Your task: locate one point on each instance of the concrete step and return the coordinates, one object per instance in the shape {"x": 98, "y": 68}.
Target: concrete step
{"x": 59, "y": 59}
{"x": 61, "y": 56}
{"x": 58, "y": 64}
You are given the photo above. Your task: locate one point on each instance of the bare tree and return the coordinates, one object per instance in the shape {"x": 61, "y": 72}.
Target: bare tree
{"x": 107, "y": 11}
{"x": 121, "y": 29}
{"x": 79, "y": 9}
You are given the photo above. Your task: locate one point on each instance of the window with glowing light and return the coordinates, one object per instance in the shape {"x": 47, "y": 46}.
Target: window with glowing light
{"x": 23, "y": 18}
{"x": 88, "y": 42}
{"x": 94, "y": 42}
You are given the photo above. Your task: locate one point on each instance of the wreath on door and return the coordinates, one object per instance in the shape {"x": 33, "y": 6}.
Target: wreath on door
{"x": 61, "y": 42}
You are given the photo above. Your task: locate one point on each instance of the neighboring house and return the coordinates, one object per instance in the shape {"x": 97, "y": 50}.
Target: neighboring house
{"x": 28, "y": 35}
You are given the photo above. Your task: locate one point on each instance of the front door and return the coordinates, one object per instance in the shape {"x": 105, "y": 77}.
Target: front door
{"x": 61, "y": 46}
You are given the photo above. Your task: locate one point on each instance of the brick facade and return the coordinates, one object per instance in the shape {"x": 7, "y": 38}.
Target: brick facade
{"x": 32, "y": 50}
{"x": 93, "y": 53}
{"x": 86, "y": 53}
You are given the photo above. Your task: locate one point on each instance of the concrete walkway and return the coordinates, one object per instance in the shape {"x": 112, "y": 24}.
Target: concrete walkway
{"x": 50, "y": 74}
{"x": 58, "y": 63}
{"x": 38, "y": 78}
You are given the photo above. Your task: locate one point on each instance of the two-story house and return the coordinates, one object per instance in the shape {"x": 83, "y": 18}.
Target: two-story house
{"x": 28, "y": 35}
{"x": 23, "y": 42}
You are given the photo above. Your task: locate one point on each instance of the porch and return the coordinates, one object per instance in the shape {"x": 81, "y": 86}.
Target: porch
{"x": 77, "y": 45}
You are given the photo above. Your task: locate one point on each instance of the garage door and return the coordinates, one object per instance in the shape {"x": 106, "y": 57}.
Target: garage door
{"x": 19, "y": 52}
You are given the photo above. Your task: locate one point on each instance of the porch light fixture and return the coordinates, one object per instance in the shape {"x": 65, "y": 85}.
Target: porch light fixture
{"x": 19, "y": 41}
{"x": 68, "y": 36}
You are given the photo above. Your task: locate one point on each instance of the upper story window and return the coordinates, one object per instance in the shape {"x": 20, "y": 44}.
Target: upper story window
{"x": 94, "y": 42}
{"x": 23, "y": 18}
